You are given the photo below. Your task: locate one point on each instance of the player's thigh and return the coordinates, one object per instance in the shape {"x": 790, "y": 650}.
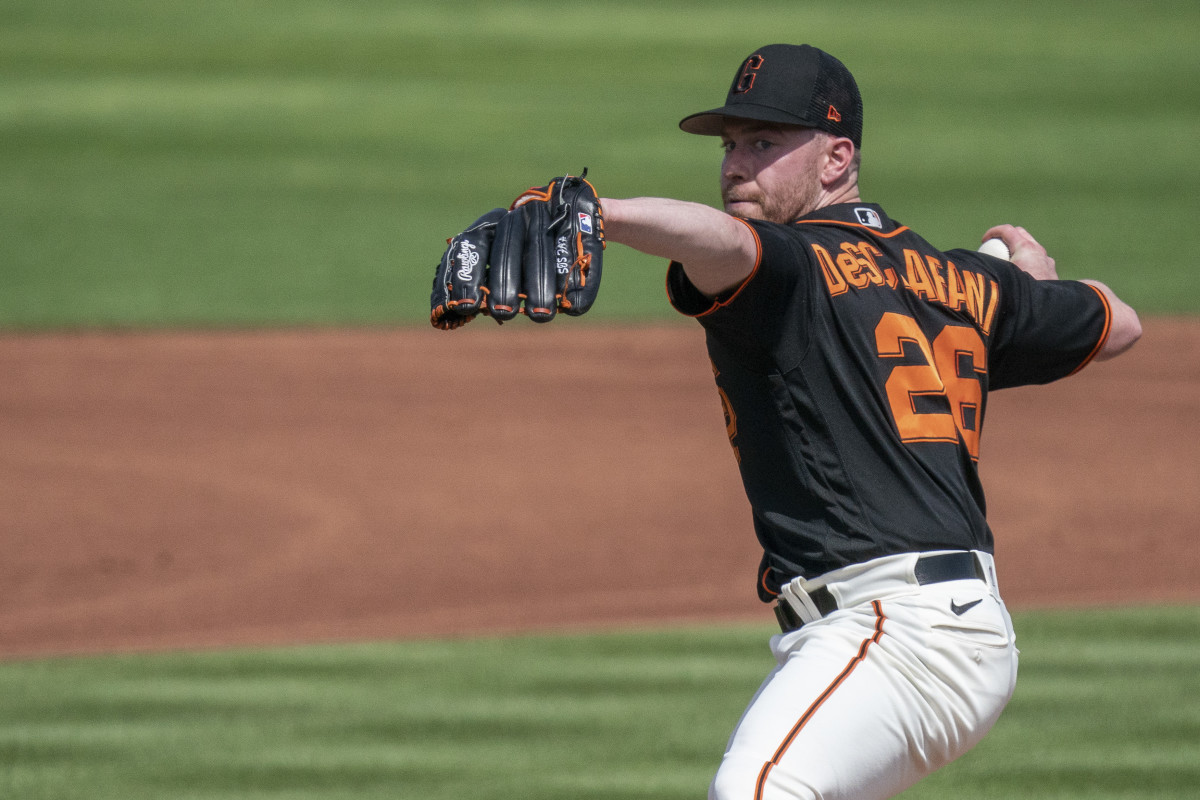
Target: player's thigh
{"x": 863, "y": 706}
{"x": 964, "y": 638}
{"x": 817, "y": 724}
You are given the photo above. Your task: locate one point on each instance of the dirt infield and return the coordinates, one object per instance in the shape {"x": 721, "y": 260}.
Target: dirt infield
{"x": 211, "y": 489}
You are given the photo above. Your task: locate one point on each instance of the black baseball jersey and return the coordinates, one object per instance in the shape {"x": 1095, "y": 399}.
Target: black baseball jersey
{"x": 854, "y": 366}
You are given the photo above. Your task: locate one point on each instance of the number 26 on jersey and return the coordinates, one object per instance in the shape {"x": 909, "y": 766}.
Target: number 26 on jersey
{"x": 954, "y": 366}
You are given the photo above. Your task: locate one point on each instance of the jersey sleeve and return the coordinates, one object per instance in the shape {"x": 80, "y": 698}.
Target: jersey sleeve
{"x": 758, "y": 307}
{"x": 690, "y": 301}
{"x": 1045, "y": 330}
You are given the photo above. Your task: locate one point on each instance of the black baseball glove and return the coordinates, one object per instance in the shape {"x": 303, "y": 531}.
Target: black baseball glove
{"x": 540, "y": 256}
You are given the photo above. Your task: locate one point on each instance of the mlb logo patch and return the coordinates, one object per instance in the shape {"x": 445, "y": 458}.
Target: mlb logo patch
{"x": 867, "y": 216}
{"x": 585, "y": 222}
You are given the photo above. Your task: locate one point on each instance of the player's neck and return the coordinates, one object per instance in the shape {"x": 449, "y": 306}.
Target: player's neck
{"x": 846, "y": 193}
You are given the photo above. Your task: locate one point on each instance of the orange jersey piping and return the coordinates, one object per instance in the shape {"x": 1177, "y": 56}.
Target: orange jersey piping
{"x": 766, "y": 588}
{"x": 717, "y": 304}
{"x": 875, "y": 231}
{"x": 1103, "y": 335}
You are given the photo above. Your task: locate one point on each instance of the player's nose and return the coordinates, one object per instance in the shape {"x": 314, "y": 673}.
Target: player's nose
{"x": 734, "y": 167}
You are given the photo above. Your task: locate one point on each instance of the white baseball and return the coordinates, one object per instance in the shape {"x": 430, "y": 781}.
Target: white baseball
{"x": 995, "y": 247}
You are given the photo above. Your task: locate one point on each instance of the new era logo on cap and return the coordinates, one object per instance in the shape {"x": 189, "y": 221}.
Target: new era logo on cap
{"x": 833, "y": 115}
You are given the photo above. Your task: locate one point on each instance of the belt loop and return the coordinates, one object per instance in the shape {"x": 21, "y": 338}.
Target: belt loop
{"x": 797, "y": 606}
{"x": 985, "y": 566}
{"x": 799, "y": 602}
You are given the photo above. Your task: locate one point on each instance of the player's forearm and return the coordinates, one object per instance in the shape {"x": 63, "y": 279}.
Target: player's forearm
{"x": 717, "y": 251}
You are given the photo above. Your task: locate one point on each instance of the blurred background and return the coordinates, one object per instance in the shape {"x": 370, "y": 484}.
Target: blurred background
{"x": 273, "y": 162}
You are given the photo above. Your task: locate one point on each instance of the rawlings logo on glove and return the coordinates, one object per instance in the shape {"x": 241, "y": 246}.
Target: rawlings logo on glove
{"x": 541, "y": 255}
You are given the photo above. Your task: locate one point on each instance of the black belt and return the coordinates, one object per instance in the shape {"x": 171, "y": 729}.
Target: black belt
{"x": 930, "y": 569}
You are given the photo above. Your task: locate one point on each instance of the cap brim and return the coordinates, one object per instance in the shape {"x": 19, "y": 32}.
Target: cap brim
{"x": 710, "y": 123}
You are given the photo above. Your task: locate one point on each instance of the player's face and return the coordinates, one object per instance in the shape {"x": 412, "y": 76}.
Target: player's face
{"x": 770, "y": 172}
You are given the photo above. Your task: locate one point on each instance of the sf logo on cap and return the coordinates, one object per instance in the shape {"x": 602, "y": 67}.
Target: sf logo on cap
{"x": 749, "y": 72}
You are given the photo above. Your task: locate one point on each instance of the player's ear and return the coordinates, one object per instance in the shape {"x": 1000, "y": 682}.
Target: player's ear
{"x": 839, "y": 152}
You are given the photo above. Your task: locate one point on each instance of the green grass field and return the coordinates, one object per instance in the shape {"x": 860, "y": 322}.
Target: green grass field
{"x": 1106, "y": 709}
{"x": 268, "y": 162}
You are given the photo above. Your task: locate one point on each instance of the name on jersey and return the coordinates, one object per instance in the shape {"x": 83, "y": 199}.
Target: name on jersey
{"x": 859, "y": 265}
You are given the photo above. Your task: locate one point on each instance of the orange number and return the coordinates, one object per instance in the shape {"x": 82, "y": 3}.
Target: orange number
{"x": 963, "y": 379}
{"x": 906, "y": 383}
{"x": 939, "y": 376}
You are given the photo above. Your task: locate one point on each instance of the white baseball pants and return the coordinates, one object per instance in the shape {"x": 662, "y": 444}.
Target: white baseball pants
{"x": 898, "y": 682}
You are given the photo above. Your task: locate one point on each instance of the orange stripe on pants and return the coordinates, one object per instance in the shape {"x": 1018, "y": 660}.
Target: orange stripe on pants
{"x": 825, "y": 695}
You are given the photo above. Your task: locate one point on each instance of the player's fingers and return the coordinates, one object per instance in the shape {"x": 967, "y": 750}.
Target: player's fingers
{"x": 1024, "y": 243}
{"x": 1020, "y": 242}
{"x": 1025, "y": 251}
{"x": 1005, "y": 233}
{"x": 1014, "y": 236}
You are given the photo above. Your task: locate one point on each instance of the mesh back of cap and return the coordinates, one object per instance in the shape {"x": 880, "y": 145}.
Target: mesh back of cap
{"x": 835, "y": 87}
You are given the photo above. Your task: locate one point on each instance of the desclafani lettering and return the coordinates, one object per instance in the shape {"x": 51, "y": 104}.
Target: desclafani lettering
{"x": 860, "y": 265}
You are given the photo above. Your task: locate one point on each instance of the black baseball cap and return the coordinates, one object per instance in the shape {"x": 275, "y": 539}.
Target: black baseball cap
{"x": 795, "y": 84}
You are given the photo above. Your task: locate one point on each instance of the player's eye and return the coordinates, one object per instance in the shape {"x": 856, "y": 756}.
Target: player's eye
{"x": 763, "y": 144}
{"x": 727, "y": 146}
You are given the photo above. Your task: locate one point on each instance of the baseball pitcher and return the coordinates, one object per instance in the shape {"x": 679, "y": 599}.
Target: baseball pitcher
{"x": 854, "y": 361}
